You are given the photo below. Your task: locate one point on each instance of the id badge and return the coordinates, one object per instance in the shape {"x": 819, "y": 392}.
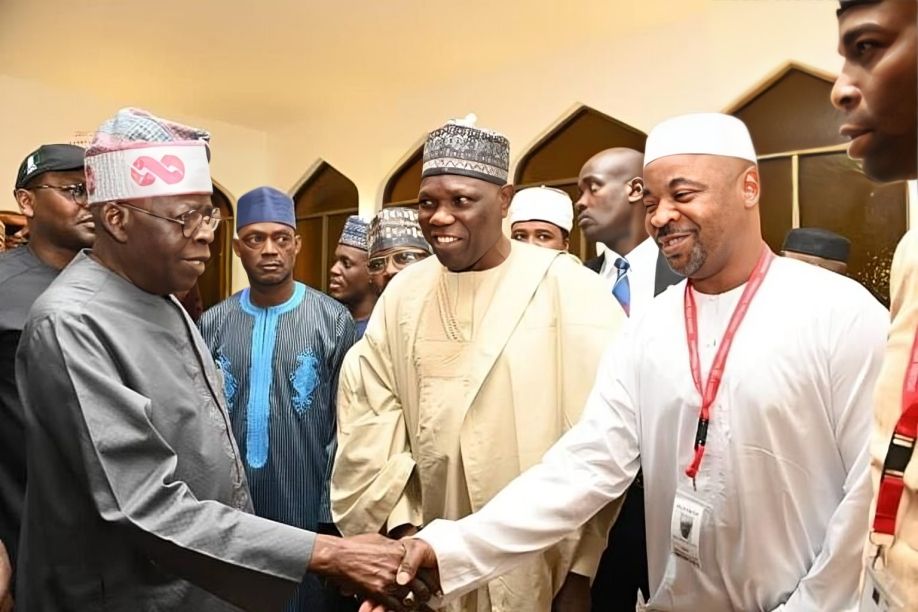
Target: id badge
{"x": 880, "y": 593}
{"x": 685, "y": 529}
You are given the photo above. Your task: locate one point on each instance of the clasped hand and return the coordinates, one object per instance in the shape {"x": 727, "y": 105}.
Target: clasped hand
{"x": 394, "y": 575}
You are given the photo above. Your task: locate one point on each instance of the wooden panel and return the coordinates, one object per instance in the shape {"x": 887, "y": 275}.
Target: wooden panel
{"x": 835, "y": 195}
{"x": 792, "y": 114}
{"x": 214, "y": 283}
{"x": 326, "y": 190}
{"x": 309, "y": 264}
{"x": 777, "y": 201}
{"x": 561, "y": 154}
{"x": 406, "y": 182}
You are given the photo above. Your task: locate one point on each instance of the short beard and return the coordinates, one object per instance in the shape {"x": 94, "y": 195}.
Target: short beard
{"x": 696, "y": 259}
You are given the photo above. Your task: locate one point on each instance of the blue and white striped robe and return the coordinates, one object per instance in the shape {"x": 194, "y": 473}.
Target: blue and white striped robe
{"x": 280, "y": 369}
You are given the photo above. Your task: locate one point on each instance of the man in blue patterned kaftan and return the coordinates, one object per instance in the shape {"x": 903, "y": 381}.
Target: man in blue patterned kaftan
{"x": 279, "y": 345}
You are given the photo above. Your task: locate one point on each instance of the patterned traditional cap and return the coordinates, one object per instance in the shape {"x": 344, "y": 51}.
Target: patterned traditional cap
{"x": 818, "y": 242}
{"x": 354, "y": 233}
{"x": 461, "y": 148}
{"x": 396, "y": 227}
{"x": 844, "y": 5}
{"x": 136, "y": 155}
{"x": 265, "y": 205}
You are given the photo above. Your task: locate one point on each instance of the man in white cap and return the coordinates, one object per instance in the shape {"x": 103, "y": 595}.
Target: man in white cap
{"x": 542, "y": 216}
{"x": 474, "y": 363}
{"x": 137, "y": 496}
{"x": 610, "y": 211}
{"x": 744, "y": 394}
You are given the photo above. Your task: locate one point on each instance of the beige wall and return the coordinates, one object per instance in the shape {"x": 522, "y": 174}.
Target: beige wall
{"x": 703, "y": 60}
{"x": 32, "y": 114}
{"x": 696, "y": 55}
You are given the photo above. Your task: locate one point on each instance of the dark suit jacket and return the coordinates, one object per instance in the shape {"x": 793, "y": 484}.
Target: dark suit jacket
{"x": 663, "y": 278}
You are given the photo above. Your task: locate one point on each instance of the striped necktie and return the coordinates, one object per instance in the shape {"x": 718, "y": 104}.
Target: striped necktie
{"x": 622, "y": 289}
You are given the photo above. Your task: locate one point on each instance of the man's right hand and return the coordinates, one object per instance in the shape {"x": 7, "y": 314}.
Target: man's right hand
{"x": 6, "y": 581}
{"x": 369, "y": 564}
{"x": 418, "y": 565}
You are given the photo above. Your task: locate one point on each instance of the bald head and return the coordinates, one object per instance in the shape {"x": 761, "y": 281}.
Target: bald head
{"x": 616, "y": 162}
{"x": 609, "y": 209}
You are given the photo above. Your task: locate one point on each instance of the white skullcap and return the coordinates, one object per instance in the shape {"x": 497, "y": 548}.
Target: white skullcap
{"x": 700, "y": 134}
{"x": 543, "y": 204}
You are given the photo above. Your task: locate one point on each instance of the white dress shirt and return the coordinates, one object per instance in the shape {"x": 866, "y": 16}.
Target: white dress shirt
{"x": 785, "y": 468}
{"x": 641, "y": 274}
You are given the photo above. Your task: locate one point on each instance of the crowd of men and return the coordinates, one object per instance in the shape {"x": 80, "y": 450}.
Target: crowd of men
{"x": 469, "y": 420}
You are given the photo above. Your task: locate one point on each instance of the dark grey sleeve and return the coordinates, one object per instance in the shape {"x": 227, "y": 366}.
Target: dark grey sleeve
{"x": 103, "y": 427}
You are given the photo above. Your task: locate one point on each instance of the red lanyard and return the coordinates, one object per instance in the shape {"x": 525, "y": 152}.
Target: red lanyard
{"x": 900, "y": 451}
{"x": 709, "y": 391}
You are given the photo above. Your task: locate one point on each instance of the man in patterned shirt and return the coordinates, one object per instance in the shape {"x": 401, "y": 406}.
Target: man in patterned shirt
{"x": 279, "y": 345}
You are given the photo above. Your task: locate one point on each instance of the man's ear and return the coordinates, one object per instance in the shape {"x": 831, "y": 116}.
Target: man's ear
{"x": 635, "y": 190}
{"x": 113, "y": 218}
{"x": 236, "y": 246}
{"x": 26, "y": 201}
{"x": 299, "y": 245}
{"x": 751, "y": 187}
{"x": 505, "y": 194}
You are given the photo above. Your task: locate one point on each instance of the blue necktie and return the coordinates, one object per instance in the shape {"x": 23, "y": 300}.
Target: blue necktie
{"x": 622, "y": 289}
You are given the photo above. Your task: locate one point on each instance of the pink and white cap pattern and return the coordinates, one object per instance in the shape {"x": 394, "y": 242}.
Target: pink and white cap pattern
{"x": 137, "y": 155}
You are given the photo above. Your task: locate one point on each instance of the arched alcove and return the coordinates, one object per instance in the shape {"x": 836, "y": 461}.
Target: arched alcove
{"x": 556, "y": 158}
{"x": 403, "y": 186}
{"x": 215, "y": 283}
{"x": 808, "y": 179}
{"x": 324, "y": 201}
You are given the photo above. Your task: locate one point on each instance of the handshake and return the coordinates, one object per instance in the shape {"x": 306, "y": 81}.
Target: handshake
{"x": 390, "y": 574}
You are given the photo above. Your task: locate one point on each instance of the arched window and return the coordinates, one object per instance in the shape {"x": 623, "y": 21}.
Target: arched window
{"x": 214, "y": 284}
{"x": 403, "y": 186}
{"x": 556, "y": 159}
{"x": 323, "y": 203}
{"x": 808, "y": 179}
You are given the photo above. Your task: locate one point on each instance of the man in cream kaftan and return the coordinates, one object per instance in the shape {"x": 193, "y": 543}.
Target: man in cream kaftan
{"x": 463, "y": 381}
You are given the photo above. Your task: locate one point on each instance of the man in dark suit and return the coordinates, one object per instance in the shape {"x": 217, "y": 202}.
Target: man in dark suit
{"x": 610, "y": 211}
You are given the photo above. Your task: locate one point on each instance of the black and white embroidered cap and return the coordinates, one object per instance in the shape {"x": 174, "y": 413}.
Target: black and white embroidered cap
{"x": 459, "y": 147}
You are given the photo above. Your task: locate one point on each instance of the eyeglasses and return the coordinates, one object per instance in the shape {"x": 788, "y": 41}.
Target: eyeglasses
{"x": 402, "y": 259}
{"x": 76, "y": 193}
{"x": 190, "y": 221}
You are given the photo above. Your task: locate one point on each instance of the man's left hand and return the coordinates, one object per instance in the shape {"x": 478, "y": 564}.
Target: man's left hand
{"x": 574, "y": 595}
